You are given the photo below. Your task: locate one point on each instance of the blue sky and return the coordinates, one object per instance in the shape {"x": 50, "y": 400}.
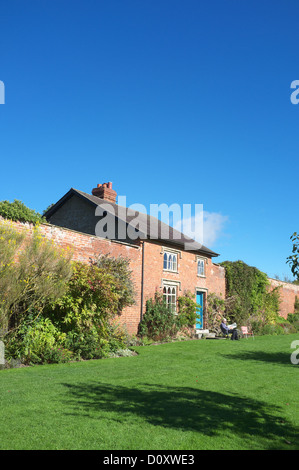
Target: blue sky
{"x": 183, "y": 102}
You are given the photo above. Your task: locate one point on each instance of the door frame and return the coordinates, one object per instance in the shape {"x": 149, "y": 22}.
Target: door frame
{"x": 204, "y": 291}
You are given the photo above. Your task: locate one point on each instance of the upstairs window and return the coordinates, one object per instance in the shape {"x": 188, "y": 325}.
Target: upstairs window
{"x": 201, "y": 267}
{"x": 170, "y": 261}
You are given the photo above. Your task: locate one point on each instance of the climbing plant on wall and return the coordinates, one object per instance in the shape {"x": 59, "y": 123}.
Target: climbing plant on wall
{"x": 18, "y": 212}
{"x": 249, "y": 289}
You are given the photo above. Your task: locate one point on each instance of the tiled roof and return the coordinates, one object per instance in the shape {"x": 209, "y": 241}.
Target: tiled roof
{"x": 163, "y": 232}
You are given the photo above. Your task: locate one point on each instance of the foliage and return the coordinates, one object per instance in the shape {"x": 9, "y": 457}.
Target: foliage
{"x": 272, "y": 329}
{"x": 91, "y": 299}
{"x": 293, "y": 260}
{"x": 32, "y": 272}
{"x": 53, "y": 309}
{"x": 17, "y": 211}
{"x": 188, "y": 310}
{"x": 119, "y": 269}
{"x": 159, "y": 321}
{"x": 215, "y": 308}
{"x": 10, "y": 241}
{"x": 96, "y": 293}
{"x": 249, "y": 289}
{"x": 86, "y": 344}
{"x": 293, "y": 318}
{"x": 35, "y": 340}
{"x": 119, "y": 338}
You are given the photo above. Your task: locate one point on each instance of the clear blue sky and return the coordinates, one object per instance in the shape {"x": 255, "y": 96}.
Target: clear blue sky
{"x": 173, "y": 101}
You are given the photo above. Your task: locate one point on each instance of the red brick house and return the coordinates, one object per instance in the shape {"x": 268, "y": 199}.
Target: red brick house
{"x": 159, "y": 259}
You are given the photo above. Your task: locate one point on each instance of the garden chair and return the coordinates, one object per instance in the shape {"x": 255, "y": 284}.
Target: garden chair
{"x": 245, "y": 332}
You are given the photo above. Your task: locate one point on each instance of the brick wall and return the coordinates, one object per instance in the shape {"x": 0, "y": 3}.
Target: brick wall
{"x": 288, "y": 293}
{"x": 86, "y": 247}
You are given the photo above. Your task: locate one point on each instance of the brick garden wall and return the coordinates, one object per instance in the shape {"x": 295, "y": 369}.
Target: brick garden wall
{"x": 86, "y": 247}
{"x": 288, "y": 293}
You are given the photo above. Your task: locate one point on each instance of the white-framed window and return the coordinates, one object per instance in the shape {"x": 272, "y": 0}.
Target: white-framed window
{"x": 170, "y": 261}
{"x": 170, "y": 296}
{"x": 201, "y": 267}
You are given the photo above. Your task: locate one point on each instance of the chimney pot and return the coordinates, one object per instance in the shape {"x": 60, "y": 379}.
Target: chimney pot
{"x": 105, "y": 191}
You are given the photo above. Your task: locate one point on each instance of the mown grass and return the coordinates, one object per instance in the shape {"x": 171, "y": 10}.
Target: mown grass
{"x": 181, "y": 396}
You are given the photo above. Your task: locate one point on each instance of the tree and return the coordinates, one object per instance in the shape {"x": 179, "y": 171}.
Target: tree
{"x": 293, "y": 260}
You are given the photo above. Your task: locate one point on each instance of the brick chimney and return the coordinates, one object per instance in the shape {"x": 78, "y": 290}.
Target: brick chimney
{"x": 105, "y": 191}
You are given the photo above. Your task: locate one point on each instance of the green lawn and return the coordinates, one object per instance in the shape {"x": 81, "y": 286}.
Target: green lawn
{"x": 204, "y": 394}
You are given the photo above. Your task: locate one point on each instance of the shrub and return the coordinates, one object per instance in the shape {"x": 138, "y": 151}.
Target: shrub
{"x": 57, "y": 355}
{"x": 95, "y": 295}
{"x": 159, "y": 322}
{"x": 272, "y": 329}
{"x": 119, "y": 269}
{"x": 188, "y": 309}
{"x": 34, "y": 340}
{"x": 118, "y": 337}
{"x": 293, "y": 318}
{"x": 33, "y": 272}
{"x": 91, "y": 299}
{"x": 215, "y": 310}
{"x": 86, "y": 344}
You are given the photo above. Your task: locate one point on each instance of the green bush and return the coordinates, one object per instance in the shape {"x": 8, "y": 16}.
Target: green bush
{"x": 33, "y": 272}
{"x": 57, "y": 355}
{"x": 119, "y": 269}
{"x": 95, "y": 295}
{"x": 272, "y": 329}
{"x": 86, "y": 344}
{"x": 188, "y": 310}
{"x": 119, "y": 338}
{"x": 34, "y": 340}
{"x": 159, "y": 321}
{"x": 293, "y": 318}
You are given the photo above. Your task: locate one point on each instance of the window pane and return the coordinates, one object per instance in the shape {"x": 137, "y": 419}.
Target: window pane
{"x": 165, "y": 261}
{"x": 170, "y": 262}
{"x": 200, "y": 267}
{"x": 174, "y": 262}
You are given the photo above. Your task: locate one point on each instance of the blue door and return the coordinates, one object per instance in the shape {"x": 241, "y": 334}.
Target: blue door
{"x": 199, "y": 301}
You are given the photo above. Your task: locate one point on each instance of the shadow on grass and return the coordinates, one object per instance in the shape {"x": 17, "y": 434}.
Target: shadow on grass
{"x": 262, "y": 356}
{"x": 186, "y": 409}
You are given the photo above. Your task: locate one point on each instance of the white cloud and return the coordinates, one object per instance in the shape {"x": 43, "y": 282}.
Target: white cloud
{"x": 205, "y": 227}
